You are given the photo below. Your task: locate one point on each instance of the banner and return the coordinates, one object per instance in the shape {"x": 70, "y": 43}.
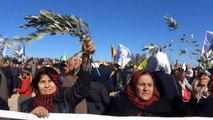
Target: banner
{"x": 123, "y": 56}
{"x": 208, "y": 42}
{"x": 8, "y": 115}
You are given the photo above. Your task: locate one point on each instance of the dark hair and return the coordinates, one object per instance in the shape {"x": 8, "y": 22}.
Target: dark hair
{"x": 50, "y": 72}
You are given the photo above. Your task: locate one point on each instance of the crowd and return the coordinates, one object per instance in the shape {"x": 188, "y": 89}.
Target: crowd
{"x": 80, "y": 85}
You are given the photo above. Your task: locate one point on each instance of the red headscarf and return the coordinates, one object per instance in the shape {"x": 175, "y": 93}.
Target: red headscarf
{"x": 45, "y": 100}
{"x": 131, "y": 93}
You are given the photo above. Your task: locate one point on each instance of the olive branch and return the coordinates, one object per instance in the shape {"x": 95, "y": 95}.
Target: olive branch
{"x": 54, "y": 24}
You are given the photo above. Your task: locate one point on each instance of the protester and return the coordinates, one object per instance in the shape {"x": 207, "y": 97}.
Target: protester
{"x": 8, "y": 74}
{"x": 201, "y": 103}
{"x": 3, "y": 105}
{"x": 3, "y": 81}
{"x": 189, "y": 73}
{"x": 25, "y": 92}
{"x": 15, "y": 73}
{"x": 142, "y": 98}
{"x": 167, "y": 85}
{"x": 116, "y": 81}
{"x": 186, "y": 88}
{"x": 98, "y": 98}
{"x": 71, "y": 72}
{"x": 50, "y": 97}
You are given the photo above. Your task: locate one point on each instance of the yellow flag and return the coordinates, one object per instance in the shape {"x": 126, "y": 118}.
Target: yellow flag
{"x": 64, "y": 58}
{"x": 113, "y": 50}
{"x": 143, "y": 64}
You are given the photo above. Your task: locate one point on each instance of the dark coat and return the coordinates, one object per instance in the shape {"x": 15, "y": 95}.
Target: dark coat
{"x": 98, "y": 98}
{"x": 3, "y": 105}
{"x": 3, "y": 86}
{"x": 202, "y": 108}
{"x": 70, "y": 81}
{"x": 8, "y": 74}
{"x": 69, "y": 97}
{"x": 167, "y": 85}
{"x": 123, "y": 106}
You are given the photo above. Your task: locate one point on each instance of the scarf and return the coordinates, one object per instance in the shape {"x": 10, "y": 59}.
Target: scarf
{"x": 132, "y": 96}
{"x": 45, "y": 100}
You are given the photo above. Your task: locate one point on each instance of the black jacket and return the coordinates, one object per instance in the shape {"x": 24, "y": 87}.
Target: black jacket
{"x": 167, "y": 85}
{"x": 202, "y": 108}
{"x": 98, "y": 98}
{"x": 3, "y": 105}
{"x": 69, "y": 97}
{"x": 123, "y": 106}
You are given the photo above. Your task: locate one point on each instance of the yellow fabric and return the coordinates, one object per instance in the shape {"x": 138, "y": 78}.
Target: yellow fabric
{"x": 64, "y": 58}
{"x": 143, "y": 64}
{"x": 112, "y": 73}
{"x": 113, "y": 50}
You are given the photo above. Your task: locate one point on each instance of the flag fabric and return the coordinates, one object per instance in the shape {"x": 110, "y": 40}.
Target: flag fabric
{"x": 123, "y": 56}
{"x": 21, "y": 53}
{"x": 143, "y": 64}
{"x": 184, "y": 66}
{"x": 3, "y": 47}
{"x": 4, "y": 50}
{"x": 113, "y": 52}
{"x": 159, "y": 62}
{"x": 64, "y": 58}
{"x": 208, "y": 42}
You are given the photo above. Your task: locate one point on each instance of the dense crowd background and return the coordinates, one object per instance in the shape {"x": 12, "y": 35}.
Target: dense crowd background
{"x": 180, "y": 92}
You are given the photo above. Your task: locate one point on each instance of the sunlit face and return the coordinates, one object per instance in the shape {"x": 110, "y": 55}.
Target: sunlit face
{"x": 202, "y": 83}
{"x": 46, "y": 85}
{"x": 144, "y": 87}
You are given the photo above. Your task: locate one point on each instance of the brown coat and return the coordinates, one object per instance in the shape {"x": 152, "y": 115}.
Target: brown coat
{"x": 68, "y": 82}
{"x": 3, "y": 86}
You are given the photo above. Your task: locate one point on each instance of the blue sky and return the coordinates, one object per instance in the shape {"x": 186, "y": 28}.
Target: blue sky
{"x": 133, "y": 23}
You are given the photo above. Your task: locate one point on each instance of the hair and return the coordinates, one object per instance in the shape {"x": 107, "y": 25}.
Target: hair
{"x": 50, "y": 72}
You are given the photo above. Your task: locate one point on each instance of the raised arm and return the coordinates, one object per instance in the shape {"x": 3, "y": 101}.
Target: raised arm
{"x": 76, "y": 93}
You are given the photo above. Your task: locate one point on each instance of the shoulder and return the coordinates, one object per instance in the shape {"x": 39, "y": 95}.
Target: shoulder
{"x": 3, "y": 104}
{"x": 123, "y": 101}
{"x": 27, "y": 105}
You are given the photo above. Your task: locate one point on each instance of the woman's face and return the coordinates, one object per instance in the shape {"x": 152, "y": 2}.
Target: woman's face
{"x": 144, "y": 87}
{"x": 46, "y": 85}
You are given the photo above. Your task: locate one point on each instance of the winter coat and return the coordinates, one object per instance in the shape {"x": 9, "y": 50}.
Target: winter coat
{"x": 3, "y": 86}
{"x": 3, "y": 105}
{"x": 202, "y": 108}
{"x": 123, "y": 106}
{"x": 97, "y": 99}
{"x": 25, "y": 89}
{"x": 68, "y": 98}
{"x": 70, "y": 81}
{"x": 167, "y": 85}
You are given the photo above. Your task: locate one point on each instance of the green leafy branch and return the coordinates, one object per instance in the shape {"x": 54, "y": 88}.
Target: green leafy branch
{"x": 54, "y": 24}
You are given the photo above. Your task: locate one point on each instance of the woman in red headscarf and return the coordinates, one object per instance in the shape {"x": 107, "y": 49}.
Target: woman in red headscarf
{"x": 141, "y": 98}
